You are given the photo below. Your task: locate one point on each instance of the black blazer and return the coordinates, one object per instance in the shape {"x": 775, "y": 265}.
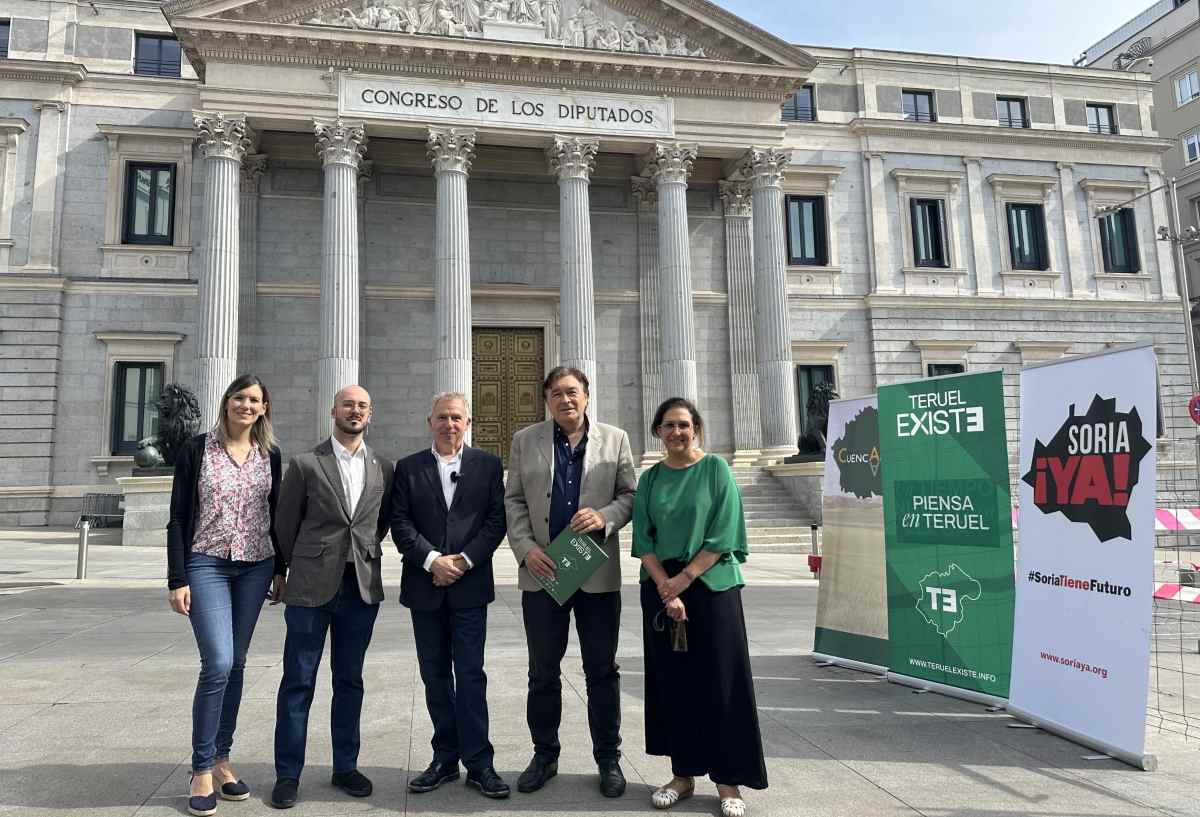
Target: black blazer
{"x": 473, "y": 525}
{"x": 185, "y": 497}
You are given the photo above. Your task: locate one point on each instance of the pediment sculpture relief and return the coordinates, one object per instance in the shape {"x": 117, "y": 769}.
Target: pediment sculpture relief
{"x": 587, "y": 25}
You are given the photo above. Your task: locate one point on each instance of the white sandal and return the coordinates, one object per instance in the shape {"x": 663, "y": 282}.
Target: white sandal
{"x": 733, "y": 807}
{"x": 664, "y": 797}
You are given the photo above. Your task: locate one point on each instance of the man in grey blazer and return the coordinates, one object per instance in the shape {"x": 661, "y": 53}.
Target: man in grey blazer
{"x": 570, "y": 472}
{"x": 333, "y": 511}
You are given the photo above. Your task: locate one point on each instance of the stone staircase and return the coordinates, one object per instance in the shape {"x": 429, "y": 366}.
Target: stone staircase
{"x": 773, "y": 522}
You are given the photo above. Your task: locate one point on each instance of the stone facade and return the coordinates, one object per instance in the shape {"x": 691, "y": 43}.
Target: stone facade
{"x": 673, "y": 274}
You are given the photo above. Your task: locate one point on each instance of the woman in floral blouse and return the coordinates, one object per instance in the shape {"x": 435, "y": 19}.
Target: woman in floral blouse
{"x": 221, "y": 557}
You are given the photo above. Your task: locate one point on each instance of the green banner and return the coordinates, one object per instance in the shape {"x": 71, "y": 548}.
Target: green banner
{"x": 948, "y": 531}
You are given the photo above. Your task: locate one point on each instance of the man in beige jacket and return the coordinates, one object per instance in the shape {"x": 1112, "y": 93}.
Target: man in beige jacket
{"x": 568, "y": 471}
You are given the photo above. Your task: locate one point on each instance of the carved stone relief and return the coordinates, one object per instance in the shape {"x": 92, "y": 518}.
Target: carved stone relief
{"x": 573, "y": 23}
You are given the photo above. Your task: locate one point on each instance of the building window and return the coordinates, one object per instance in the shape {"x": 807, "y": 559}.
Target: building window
{"x": 815, "y": 387}
{"x": 806, "y": 231}
{"x": 156, "y": 55}
{"x": 1027, "y": 237}
{"x": 4, "y": 27}
{"x": 1100, "y": 119}
{"x": 801, "y": 107}
{"x": 136, "y": 387}
{"x": 1191, "y": 146}
{"x": 1187, "y": 87}
{"x": 1011, "y": 112}
{"x": 1118, "y": 241}
{"x": 929, "y": 232}
{"x": 918, "y": 106}
{"x": 149, "y": 203}
{"x": 939, "y": 369}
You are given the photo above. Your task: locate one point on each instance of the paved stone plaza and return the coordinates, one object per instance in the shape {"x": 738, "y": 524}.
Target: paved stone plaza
{"x": 97, "y": 679}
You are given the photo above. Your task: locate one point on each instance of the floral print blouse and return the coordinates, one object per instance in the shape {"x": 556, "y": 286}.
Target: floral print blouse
{"x": 234, "y": 521}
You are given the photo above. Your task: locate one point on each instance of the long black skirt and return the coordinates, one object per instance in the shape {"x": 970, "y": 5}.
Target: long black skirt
{"x": 700, "y": 708}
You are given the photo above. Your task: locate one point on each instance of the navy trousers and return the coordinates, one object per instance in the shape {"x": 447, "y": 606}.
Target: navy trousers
{"x": 349, "y": 621}
{"x": 450, "y": 654}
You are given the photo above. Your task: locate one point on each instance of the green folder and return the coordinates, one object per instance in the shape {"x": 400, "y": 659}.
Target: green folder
{"x": 576, "y": 557}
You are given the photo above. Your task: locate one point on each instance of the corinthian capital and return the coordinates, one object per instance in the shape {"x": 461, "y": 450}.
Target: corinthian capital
{"x": 221, "y": 136}
{"x": 572, "y": 157}
{"x": 765, "y": 166}
{"x": 339, "y": 142}
{"x": 253, "y": 167}
{"x": 645, "y": 194}
{"x": 735, "y": 195}
{"x": 451, "y": 149}
{"x": 670, "y": 162}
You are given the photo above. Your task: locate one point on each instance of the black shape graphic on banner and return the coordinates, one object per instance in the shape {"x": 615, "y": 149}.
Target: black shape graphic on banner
{"x": 857, "y": 455}
{"x": 1089, "y": 468}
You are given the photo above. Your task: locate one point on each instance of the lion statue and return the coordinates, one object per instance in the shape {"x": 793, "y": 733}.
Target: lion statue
{"x": 178, "y": 420}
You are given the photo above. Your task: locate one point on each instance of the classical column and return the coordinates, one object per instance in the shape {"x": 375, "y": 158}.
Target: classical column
{"x": 452, "y": 150}
{"x": 224, "y": 140}
{"x": 669, "y": 164}
{"x": 645, "y": 197}
{"x": 773, "y": 337}
{"x": 572, "y": 159}
{"x": 341, "y": 146}
{"x": 739, "y": 270}
{"x": 1076, "y": 263}
{"x": 253, "y": 167}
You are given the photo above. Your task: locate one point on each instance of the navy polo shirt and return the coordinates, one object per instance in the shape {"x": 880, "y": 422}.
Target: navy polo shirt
{"x": 568, "y": 471}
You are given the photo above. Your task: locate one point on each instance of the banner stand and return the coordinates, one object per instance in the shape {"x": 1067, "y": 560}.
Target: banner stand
{"x": 850, "y": 663}
{"x": 1144, "y": 762}
{"x": 945, "y": 689}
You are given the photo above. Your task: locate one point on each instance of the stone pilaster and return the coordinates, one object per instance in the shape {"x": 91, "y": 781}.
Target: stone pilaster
{"x": 253, "y": 168}
{"x": 451, "y": 150}
{"x": 880, "y": 246}
{"x": 572, "y": 159}
{"x": 980, "y": 245}
{"x": 224, "y": 141}
{"x": 1076, "y": 260}
{"x": 772, "y": 341}
{"x": 645, "y": 197}
{"x": 1160, "y": 215}
{"x": 669, "y": 164}
{"x": 44, "y": 216}
{"x": 341, "y": 146}
{"x": 739, "y": 270}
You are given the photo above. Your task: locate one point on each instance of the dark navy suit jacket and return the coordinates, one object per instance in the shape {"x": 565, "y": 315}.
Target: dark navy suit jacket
{"x": 474, "y": 525}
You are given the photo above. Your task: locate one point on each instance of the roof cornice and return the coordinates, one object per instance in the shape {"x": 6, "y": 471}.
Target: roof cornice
{"x": 65, "y": 73}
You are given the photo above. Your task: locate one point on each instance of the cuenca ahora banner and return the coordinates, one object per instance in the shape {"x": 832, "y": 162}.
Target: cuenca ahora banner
{"x": 1081, "y": 646}
{"x": 948, "y": 529}
{"x": 852, "y": 596}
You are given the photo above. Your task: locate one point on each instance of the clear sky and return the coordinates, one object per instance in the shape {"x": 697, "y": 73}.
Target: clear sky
{"x": 1038, "y": 30}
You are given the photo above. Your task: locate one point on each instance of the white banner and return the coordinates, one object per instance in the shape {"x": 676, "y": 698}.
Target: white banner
{"x": 452, "y": 103}
{"x": 1085, "y": 576}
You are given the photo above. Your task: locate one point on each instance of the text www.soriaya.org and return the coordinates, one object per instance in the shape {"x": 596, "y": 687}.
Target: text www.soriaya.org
{"x": 1063, "y": 582}
{"x": 1082, "y": 666}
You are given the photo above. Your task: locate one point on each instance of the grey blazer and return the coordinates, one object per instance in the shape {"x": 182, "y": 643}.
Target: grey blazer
{"x": 608, "y": 485}
{"x": 316, "y": 533}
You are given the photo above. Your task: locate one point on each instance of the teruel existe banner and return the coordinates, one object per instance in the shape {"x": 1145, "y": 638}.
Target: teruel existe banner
{"x": 1081, "y": 647}
{"x": 852, "y": 597}
{"x": 948, "y": 529}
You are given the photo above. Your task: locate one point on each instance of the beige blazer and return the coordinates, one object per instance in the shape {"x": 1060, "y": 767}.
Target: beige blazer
{"x": 608, "y": 485}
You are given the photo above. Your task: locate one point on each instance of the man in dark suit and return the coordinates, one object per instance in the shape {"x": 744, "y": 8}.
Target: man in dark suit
{"x": 331, "y": 515}
{"x": 447, "y": 520}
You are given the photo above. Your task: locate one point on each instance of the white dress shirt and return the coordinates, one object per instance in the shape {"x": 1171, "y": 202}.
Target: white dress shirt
{"x": 353, "y": 470}
{"x": 446, "y": 467}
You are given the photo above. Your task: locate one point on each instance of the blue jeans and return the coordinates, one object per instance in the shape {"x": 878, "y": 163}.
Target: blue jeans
{"x": 350, "y": 621}
{"x": 227, "y": 597}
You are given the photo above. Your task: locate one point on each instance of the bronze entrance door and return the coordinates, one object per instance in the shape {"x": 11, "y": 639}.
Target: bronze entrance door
{"x": 507, "y": 366}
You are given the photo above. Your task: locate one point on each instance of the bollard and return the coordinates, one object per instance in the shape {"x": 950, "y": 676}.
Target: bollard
{"x": 81, "y": 562}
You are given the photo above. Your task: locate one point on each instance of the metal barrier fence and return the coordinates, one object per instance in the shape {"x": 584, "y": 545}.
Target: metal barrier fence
{"x": 1174, "y": 700}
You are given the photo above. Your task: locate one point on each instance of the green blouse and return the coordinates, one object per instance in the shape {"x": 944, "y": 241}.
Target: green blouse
{"x": 679, "y": 512}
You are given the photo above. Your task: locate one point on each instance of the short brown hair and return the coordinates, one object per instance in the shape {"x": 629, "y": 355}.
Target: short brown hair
{"x": 678, "y": 402}
{"x": 559, "y": 372}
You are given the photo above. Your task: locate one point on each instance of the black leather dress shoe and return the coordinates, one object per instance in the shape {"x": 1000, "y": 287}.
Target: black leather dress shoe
{"x": 353, "y": 782}
{"x": 612, "y": 779}
{"x": 285, "y": 792}
{"x": 539, "y": 770}
{"x": 434, "y": 776}
{"x": 489, "y": 783}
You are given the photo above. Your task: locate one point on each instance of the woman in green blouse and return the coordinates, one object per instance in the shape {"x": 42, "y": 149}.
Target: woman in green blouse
{"x": 689, "y": 532}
